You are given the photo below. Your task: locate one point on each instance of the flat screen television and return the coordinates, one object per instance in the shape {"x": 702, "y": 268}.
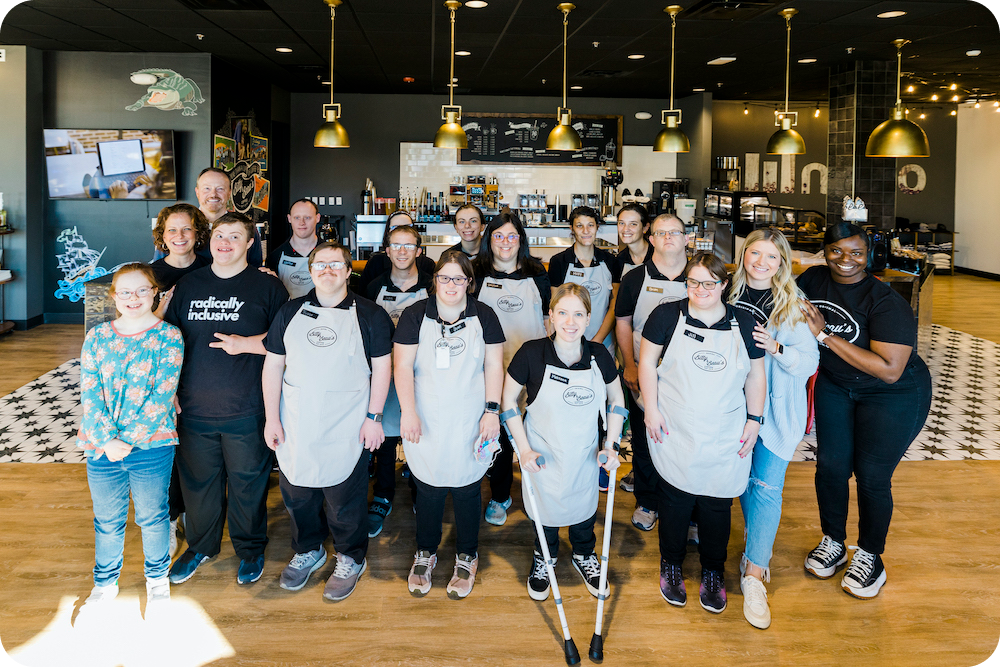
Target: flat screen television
{"x": 110, "y": 164}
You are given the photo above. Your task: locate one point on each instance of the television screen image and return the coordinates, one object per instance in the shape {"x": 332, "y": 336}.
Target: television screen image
{"x": 110, "y": 164}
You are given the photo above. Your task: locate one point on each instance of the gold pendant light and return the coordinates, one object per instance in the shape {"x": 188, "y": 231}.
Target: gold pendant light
{"x": 786, "y": 141}
{"x": 898, "y": 137}
{"x": 563, "y": 137}
{"x": 331, "y": 134}
{"x": 671, "y": 139}
{"x": 451, "y": 134}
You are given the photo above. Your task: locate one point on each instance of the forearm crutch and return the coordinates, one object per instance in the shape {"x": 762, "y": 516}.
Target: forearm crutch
{"x": 572, "y": 655}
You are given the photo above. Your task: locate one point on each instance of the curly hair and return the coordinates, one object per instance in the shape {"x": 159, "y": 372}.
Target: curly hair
{"x": 194, "y": 214}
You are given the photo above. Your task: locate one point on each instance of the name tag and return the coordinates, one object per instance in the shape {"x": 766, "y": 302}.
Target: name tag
{"x": 309, "y": 313}
{"x": 691, "y": 334}
{"x": 494, "y": 285}
{"x": 388, "y": 297}
{"x": 578, "y": 274}
{"x": 457, "y": 327}
{"x": 558, "y": 378}
{"x": 287, "y": 262}
{"x": 658, "y": 290}
{"x": 442, "y": 354}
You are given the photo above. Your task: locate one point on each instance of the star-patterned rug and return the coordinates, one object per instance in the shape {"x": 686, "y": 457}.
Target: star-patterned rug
{"x": 38, "y": 422}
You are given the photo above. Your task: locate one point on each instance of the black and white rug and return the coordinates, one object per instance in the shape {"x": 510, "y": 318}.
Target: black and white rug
{"x": 38, "y": 422}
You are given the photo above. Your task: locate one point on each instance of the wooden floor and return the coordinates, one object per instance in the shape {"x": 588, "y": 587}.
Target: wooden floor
{"x": 941, "y": 605}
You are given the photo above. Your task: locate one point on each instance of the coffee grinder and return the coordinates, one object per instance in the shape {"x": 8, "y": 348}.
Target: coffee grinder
{"x": 610, "y": 181}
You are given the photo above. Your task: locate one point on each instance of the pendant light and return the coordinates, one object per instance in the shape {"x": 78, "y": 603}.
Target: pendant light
{"x": 898, "y": 137}
{"x": 451, "y": 134}
{"x": 331, "y": 134}
{"x": 786, "y": 141}
{"x": 671, "y": 139}
{"x": 563, "y": 137}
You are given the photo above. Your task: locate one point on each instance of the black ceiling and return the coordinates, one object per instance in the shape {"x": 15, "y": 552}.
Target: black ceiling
{"x": 516, "y": 44}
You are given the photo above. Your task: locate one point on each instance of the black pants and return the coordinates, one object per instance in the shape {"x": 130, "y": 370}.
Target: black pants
{"x": 865, "y": 432}
{"x": 340, "y": 511}
{"x": 468, "y": 505}
{"x": 222, "y": 462}
{"x": 175, "y": 497}
{"x": 676, "y": 508}
{"x": 642, "y": 463}
{"x": 385, "y": 469}
{"x": 581, "y": 537}
{"x": 502, "y": 470}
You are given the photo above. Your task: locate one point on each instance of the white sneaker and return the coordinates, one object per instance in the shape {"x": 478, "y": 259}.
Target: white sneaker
{"x": 865, "y": 575}
{"x": 755, "y": 608}
{"x": 173, "y": 539}
{"x": 101, "y": 594}
{"x": 157, "y": 595}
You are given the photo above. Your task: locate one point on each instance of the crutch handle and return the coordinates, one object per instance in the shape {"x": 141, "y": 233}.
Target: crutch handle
{"x": 540, "y": 460}
{"x": 602, "y": 457}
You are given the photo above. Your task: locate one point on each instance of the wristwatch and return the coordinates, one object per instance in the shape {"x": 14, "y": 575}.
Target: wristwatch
{"x": 823, "y": 335}
{"x": 781, "y": 348}
{"x": 757, "y": 418}
{"x": 493, "y": 407}
{"x": 375, "y": 417}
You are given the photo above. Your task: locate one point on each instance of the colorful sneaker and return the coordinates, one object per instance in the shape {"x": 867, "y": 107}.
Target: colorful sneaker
{"x": 377, "y": 512}
{"x": 589, "y": 568}
{"x": 464, "y": 577}
{"x": 628, "y": 482}
{"x": 713, "y": 591}
{"x": 419, "y": 580}
{"x": 185, "y": 566}
{"x": 865, "y": 575}
{"x": 496, "y": 513}
{"x": 344, "y": 578}
{"x": 672, "y": 584}
{"x": 538, "y": 580}
{"x": 755, "y": 608}
{"x": 250, "y": 570}
{"x": 644, "y": 519}
{"x": 297, "y": 572}
{"x": 824, "y": 560}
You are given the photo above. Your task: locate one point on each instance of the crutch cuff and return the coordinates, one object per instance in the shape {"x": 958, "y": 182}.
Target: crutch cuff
{"x": 618, "y": 410}
{"x": 513, "y": 412}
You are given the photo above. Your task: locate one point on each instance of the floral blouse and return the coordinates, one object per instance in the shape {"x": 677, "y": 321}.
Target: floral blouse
{"x": 127, "y": 387}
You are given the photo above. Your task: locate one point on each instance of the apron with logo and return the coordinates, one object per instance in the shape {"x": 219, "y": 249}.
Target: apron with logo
{"x": 597, "y": 279}
{"x": 519, "y": 308}
{"x": 561, "y": 424}
{"x": 324, "y": 396}
{"x": 394, "y": 303}
{"x": 700, "y": 395}
{"x": 294, "y": 275}
{"x": 449, "y": 385}
{"x": 654, "y": 292}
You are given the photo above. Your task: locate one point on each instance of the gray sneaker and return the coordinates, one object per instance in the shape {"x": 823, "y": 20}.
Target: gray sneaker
{"x": 496, "y": 513}
{"x": 644, "y": 519}
{"x": 296, "y": 573}
{"x": 344, "y": 578}
{"x": 628, "y": 482}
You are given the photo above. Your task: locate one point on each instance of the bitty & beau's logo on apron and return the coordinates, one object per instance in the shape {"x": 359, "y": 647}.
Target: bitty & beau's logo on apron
{"x": 592, "y": 286}
{"x": 510, "y": 303}
{"x": 709, "y": 361}
{"x": 838, "y": 320}
{"x": 455, "y": 345}
{"x": 300, "y": 278}
{"x": 322, "y": 336}
{"x": 578, "y": 395}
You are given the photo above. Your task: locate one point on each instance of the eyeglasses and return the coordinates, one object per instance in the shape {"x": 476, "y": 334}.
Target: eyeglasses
{"x": 142, "y": 292}
{"x": 322, "y": 266}
{"x": 497, "y": 236}
{"x": 458, "y": 280}
{"x": 661, "y": 233}
{"x": 706, "y": 284}
{"x": 408, "y": 247}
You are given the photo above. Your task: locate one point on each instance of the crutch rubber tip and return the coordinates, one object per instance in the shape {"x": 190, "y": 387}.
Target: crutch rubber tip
{"x": 572, "y": 655}
{"x": 597, "y": 649}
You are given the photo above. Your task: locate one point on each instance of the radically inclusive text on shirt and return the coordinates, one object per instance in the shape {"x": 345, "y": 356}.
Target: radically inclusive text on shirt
{"x": 212, "y": 309}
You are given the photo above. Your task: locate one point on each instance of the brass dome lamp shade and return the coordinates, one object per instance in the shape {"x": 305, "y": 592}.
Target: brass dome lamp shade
{"x": 451, "y": 134}
{"x": 671, "y": 139}
{"x": 898, "y": 137}
{"x": 563, "y": 137}
{"x": 331, "y": 134}
{"x": 786, "y": 141}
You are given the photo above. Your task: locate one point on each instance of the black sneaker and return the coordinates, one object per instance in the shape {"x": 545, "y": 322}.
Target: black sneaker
{"x": 824, "y": 560}
{"x": 379, "y": 509}
{"x": 865, "y": 575}
{"x": 538, "y": 580}
{"x": 713, "y": 591}
{"x": 589, "y": 568}
{"x": 672, "y": 584}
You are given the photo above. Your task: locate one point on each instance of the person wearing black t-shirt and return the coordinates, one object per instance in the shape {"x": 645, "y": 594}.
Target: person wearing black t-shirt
{"x": 181, "y": 230}
{"x": 379, "y": 262}
{"x": 633, "y": 228}
{"x": 223, "y": 311}
{"x": 872, "y": 397}
{"x": 289, "y": 261}
{"x": 325, "y": 380}
{"x": 704, "y": 382}
{"x": 515, "y": 285}
{"x": 469, "y": 223}
{"x": 571, "y": 383}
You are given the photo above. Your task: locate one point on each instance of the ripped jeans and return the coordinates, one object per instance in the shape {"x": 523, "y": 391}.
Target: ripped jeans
{"x": 761, "y": 505}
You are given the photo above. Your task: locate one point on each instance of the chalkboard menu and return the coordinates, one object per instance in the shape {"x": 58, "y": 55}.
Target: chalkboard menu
{"x": 503, "y": 138}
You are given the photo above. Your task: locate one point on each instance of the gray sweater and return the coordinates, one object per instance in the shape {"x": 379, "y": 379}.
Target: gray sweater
{"x": 785, "y": 412}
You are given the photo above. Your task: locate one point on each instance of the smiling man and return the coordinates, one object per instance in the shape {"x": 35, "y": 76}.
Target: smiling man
{"x": 290, "y": 260}
{"x": 214, "y": 191}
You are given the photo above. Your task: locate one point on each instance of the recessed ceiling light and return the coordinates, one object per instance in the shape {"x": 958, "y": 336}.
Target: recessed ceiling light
{"x": 934, "y": 98}
{"x": 697, "y": 90}
{"x": 283, "y": 49}
{"x": 953, "y": 86}
{"x": 463, "y": 53}
{"x": 643, "y": 115}
{"x": 576, "y": 87}
{"x": 636, "y": 56}
{"x": 895, "y": 14}
{"x": 721, "y": 60}
{"x": 806, "y": 61}
{"x": 973, "y": 52}
{"x": 476, "y": 4}
{"x": 954, "y": 98}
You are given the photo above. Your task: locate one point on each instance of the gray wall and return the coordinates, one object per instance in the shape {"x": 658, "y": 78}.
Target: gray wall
{"x": 936, "y": 204}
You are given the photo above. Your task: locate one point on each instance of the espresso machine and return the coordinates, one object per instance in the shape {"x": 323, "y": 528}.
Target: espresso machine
{"x": 610, "y": 181}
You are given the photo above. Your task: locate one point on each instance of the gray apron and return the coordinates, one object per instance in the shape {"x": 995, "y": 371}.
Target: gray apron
{"x": 394, "y": 303}
{"x": 561, "y": 424}
{"x": 654, "y": 292}
{"x": 597, "y": 279}
{"x": 450, "y": 393}
{"x": 519, "y": 308}
{"x": 294, "y": 275}
{"x": 324, "y": 396}
{"x": 700, "y": 395}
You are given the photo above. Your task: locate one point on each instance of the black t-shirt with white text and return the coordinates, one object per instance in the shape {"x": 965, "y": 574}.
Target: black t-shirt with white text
{"x": 757, "y": 302}
{"x": 663, "y": 320}
{"x": 527, "y": 367}
{"x": 168, "y": 275}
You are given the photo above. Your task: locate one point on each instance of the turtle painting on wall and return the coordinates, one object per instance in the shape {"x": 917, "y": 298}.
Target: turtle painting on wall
{"x": 166, "y": 90}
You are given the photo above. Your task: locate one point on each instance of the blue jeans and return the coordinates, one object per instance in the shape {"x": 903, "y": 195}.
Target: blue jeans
{"x": 761, "y": 504}
{"x": 146, "y": 473}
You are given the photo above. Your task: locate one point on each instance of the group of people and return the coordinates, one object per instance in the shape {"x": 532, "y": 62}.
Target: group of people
{"x": 467, "y": 358}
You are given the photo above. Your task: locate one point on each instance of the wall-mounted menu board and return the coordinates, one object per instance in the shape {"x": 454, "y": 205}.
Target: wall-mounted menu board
{"x": 506, "y": 138}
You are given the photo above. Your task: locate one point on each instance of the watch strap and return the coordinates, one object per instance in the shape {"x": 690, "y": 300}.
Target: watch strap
{"x": 375, "y": 417}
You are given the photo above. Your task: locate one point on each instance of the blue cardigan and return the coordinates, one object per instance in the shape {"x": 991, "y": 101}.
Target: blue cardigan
{"x": 786, "y": 410}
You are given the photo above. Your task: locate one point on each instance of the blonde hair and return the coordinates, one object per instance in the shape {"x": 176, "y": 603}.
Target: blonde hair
{"x": 570, "y": 289}
{"x": 784, "y": 292}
